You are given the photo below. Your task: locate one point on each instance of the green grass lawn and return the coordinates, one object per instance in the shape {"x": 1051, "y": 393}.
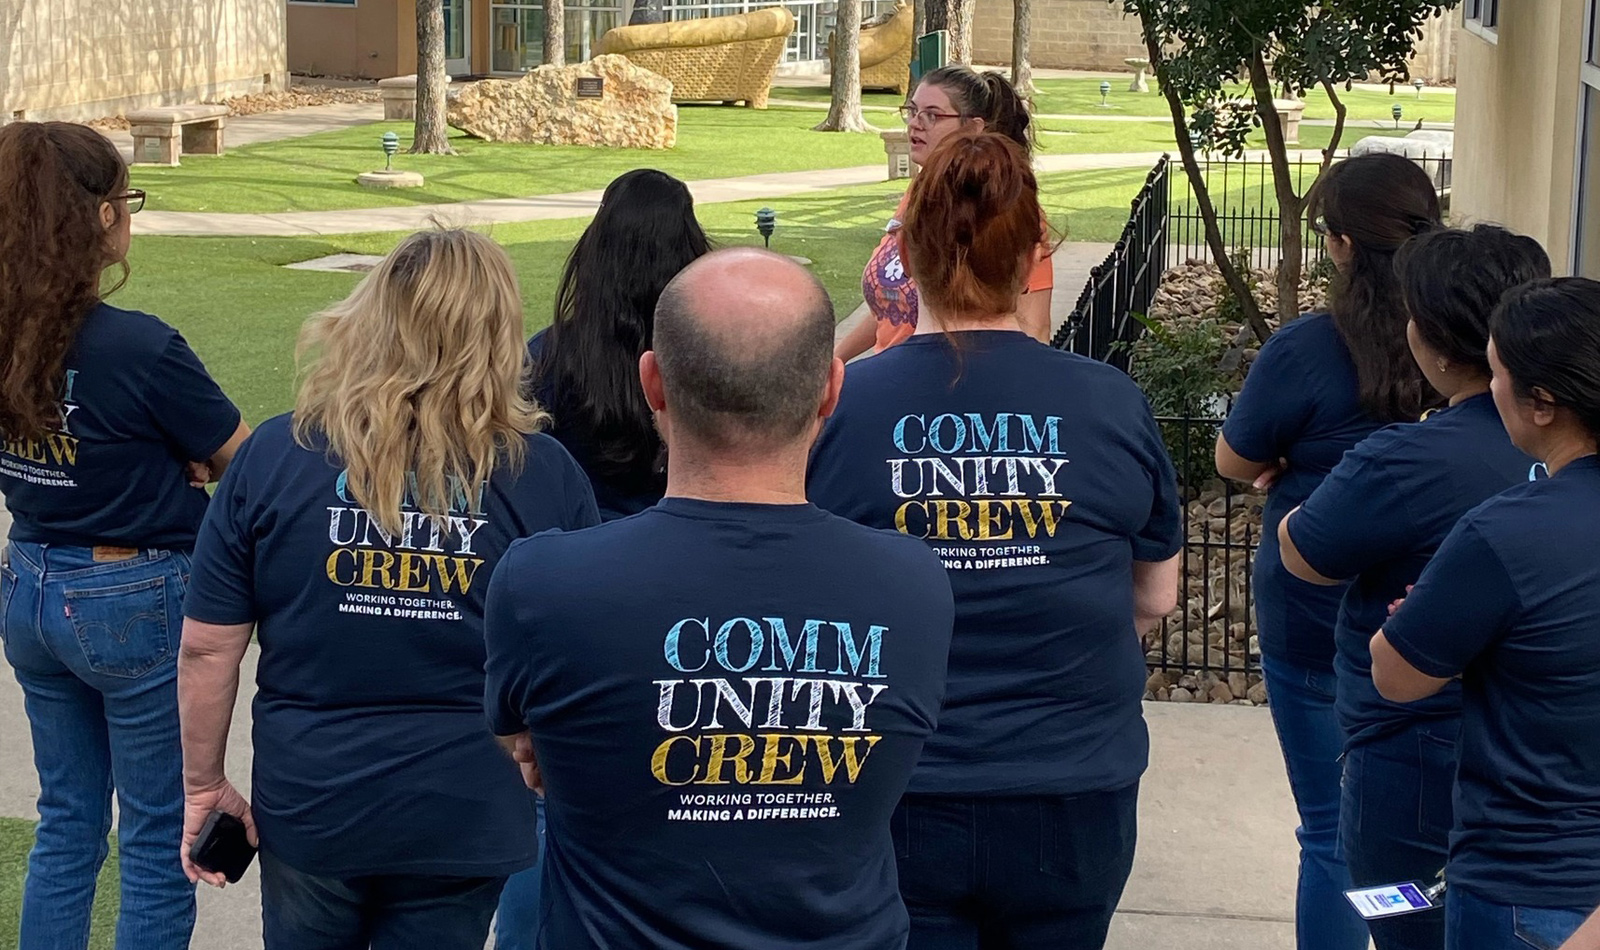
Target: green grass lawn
{"x": 318, "y": 172}
{"x": 1082, "y": 97}
{"x": 245, "y": 321}
{"x": 1063, "y": 136}
{"x": 16, "y": 837}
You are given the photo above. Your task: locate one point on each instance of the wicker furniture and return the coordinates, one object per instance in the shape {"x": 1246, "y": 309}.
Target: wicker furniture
{"x": 886, "y": 52}
{"x": 726, "y": 59}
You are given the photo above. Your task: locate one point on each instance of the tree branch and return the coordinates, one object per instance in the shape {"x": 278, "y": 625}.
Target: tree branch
{"x": 1339, "y": 111}
{"x": 1289, "y": 203}
{"x": 1202, "y": 194}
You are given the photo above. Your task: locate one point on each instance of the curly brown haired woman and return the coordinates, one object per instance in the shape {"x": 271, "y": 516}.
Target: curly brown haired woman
{"x": 107, "y": 423}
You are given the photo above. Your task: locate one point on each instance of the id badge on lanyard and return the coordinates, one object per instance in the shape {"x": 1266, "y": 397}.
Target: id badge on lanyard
{"x": 1394, "y": 900}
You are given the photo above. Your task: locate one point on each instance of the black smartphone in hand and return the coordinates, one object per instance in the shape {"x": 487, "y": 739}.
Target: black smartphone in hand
{"x": 223, "y": 847}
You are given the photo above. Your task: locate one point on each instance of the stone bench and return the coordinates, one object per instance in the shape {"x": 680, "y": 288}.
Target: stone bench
{"x": 399, "y": 95}
{"x": 163, "y": 133}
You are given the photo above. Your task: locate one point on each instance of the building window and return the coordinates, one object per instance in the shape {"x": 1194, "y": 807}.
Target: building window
{"x": 814, "y": 20}
{"x": 1586, "y": 232}
{"x": 519, "y": 31}
{"x": 1482, "y": 17}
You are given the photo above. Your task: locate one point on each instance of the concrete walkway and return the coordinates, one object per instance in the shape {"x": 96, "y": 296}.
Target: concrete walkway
{"x": 1215, "y": 867}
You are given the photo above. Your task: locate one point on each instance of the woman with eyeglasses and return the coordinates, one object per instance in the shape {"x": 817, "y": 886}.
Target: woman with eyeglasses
{"x": 109, "y": 428}
{"x": 948, "y": 99}
{"x": 1506, "y": 616}
{"x": 1320, "y": 385}
{"x": 1376, "y": 521}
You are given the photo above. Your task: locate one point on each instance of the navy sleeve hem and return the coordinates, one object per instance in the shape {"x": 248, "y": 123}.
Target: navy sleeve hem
{"x": 1423, "y": 663}
{"x": 1308, "y": 556}
{"x": 1151, "y": 553}
{"x": 213, "y": 614}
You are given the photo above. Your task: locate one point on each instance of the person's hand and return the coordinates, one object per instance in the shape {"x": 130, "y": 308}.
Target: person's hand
{"x": 199, "y": 473}
{"x": 1267, "y": 478}
{"x": 198, "y": 804}
{"x": 522, "y": 752}
{"x": 1396, "y": 605}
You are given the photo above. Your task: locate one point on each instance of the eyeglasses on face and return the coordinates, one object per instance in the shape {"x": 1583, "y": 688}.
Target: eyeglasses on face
{"x": 134, "y": 197}
{"x": 910, "y": 112}
{"x": 1320, "y": 226}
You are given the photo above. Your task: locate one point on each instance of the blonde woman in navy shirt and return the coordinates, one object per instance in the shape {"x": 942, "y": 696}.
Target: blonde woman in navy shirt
{"x": 1510, "y": 608}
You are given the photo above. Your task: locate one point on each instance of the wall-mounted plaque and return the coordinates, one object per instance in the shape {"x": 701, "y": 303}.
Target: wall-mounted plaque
{"x": 591, "y": 87}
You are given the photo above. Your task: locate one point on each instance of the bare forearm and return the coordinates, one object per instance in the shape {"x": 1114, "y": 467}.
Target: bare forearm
{"x": 1155, "y": 591}
{"x": 858, "y": 339}
{"x": 1587, "y": 936}
{"x": 208, "y": 684}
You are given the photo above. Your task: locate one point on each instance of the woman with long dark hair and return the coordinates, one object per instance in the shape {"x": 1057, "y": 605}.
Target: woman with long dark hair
{"x": 586, "y": 365}
{"x": 109, "y": 427}
{"x": 586, "y": 372}
{"x": 1059, "y": 528}
{"x": 1376, "y": 520}
{"x": 1507, "y": 613}
{"x": 948, "y": 100}
{"x": 1320, "y": 385}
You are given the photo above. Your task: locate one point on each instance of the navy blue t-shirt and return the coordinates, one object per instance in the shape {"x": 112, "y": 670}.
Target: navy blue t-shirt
{"x": 1039, "y": 478}
{"x": 617, "y": 497}
{"x": 137, "y": 405}
{"x": 1378, "y": 519}
{"x": 727, "y": 701}
{"x": 1512, "y": 604}
{"x": 370, "y": 752}
{"x": 1301, "y": 402}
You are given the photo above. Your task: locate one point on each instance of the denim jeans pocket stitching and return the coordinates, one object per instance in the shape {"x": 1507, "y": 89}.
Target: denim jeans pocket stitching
{"x": 111, "y": 657}
{"x": 8, "y": 590}
{"x": 1542, "y": 941}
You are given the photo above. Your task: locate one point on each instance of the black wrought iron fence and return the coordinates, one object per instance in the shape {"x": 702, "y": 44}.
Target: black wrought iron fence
{"x": 1126, "y": 281}
{"x": 1243, "y": 194}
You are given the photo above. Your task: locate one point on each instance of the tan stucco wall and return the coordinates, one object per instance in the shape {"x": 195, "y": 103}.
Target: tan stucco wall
{"x": 1517, "y": 124}
{"x": 80, "y": 59}
{"x": 362, "y": 40}
{"x": 1095, "y": 34}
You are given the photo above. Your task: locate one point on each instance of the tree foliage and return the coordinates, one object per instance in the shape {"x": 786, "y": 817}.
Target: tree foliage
{"x": 1199, "y": 47}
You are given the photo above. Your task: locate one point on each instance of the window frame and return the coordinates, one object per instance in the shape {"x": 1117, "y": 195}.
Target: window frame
{"x": 336, "y": 4}
{"x": 1481, "y": 18}
{"x": 1586, "y": 201}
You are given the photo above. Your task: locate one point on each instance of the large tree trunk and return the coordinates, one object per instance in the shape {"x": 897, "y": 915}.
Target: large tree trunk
{"x": 555, "y": 33}
{"x": 919, "y": 18}
{"x": 648, "y": 11}
{"x": 844, "y": 107}
{"x": 1291, "y": 207}
{"x": 430, "y": 134}
{"x": 1202, "y": 196}
{"x": 955, "y": 18}
{"x": 1021, "y": 32}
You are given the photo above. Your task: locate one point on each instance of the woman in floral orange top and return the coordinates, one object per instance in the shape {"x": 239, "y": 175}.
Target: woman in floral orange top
{"x": 947, "y": 99}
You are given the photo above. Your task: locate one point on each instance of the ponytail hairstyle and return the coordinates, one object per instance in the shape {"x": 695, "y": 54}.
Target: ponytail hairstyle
{"x": 1547, "y": 334}
{"x": 987, "y": 96}
{"x": 972, "y": 224}
{"x": 54, "y": 176}
{"x": 1378, "y": 202}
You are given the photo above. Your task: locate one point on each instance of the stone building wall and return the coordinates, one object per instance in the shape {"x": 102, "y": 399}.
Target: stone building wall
{"x": 80, "y": 59}
{"x": 1097, "y": 35}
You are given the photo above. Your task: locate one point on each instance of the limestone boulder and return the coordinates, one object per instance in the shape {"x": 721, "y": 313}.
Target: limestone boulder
{"x": 1429, "y": 148}
{"x": 634, "y": 109}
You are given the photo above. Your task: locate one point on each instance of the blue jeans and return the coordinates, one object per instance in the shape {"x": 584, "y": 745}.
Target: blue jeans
{"x": 301, "y": 911}
{"x": 1035, "y": 871}
{"x": 94, "y": 645}
{"x": 1472, "y": 923}
{"x": 516, "y": 924}
{"x": 1301, "y": 703}
{"x": 1395, "y": 820}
